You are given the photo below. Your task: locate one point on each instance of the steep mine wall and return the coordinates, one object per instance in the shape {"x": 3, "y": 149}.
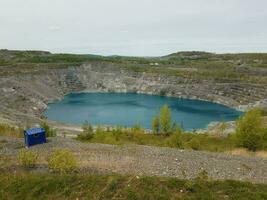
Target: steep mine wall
{"x": 25, "y": 96}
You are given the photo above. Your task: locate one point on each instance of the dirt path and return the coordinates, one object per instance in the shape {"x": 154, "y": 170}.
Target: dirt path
{"x": 144, "y": 160}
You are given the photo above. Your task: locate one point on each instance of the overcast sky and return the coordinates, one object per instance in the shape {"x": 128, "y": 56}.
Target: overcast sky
{"x": 134, "y": 27}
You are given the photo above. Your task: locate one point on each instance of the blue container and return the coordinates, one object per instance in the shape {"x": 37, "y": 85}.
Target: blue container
{"x": 34, "y": 136}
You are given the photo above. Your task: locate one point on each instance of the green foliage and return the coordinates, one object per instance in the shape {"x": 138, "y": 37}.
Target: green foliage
{"x": 11, "y": 131}
{"x": 49, "y": 132}
{"x": 62, "y": 160}
{"x": 99, "y": 129}
{"x": 162, "y": 123}
{"x": 165, "y": 119}
{"x": 194, "y": 144}
{"x": 176, "y": 128}
{"x": 27, "y": 158}
{"x": 175, "y": 141}
{"x": 203, "y": 176}
{"x": 163, "y": 92}
{"x": 250, "y": 131}
{"x": 72, "y": 186}
{"x": 117, "y": 133}
{"x": 87, "y": 133}
{"x": 137, "y": 127}
{"x": 223, "y": 127}
{"x": 3, "y": 62}
{"x": 155, "y": 125}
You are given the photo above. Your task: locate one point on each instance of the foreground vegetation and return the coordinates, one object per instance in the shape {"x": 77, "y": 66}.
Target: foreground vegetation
{"x": 47, "y": 186}
{"x": 11, "y": 131}
{"x": 176, "y": 140}
{"x": 251, "y": 133}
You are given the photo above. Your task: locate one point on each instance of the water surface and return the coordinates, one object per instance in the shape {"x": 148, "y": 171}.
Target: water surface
{"x": 129, "y": 109}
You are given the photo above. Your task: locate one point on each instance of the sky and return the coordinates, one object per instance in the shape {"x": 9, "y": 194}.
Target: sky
{"x": 134, "y": 27}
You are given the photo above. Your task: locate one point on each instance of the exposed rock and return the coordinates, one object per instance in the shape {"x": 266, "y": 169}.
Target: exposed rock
{"x": 25, "y": 96}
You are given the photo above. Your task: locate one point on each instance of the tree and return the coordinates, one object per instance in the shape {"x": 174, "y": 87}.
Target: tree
{"x": 50, "y": 132}
{"x": 250, "y": 131}
{"x": 155, "y": 125}
{"x": 165, "y": 119}
{"x": 87, "y": 132}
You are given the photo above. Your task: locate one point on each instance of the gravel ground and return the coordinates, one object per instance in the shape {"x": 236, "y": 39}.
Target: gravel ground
{"x": 152, "y": 161}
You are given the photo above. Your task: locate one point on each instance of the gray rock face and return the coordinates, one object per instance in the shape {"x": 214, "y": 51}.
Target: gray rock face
{"x": 25, "y": 96}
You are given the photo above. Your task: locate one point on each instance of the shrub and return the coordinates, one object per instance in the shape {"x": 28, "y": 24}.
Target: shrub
{"x": 250, "y": 132}
{"x": 176, "y": 128}
{"x": 155, "y": 125}
{"x": 49, "y": 132}
{"x": 27, "y": 158}
{"x": 222, "y": 127}
{"x": 62, "y": 160}
{"x": 99, "y": 130}
{"x": 117, "y": 133}
{"x": 163, "y": 92}
{"x": 87, "y": 133}
{"x": 203, "y": 176}
{"x": 137, "y": 127}
{"x": 194, "y": 144}
{"x": 175, "y": 140}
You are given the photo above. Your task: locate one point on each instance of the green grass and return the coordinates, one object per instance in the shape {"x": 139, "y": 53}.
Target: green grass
{"x": 47, "y": 186}
{"x": 203, "y": 142}
{"x": 8, "y": 130}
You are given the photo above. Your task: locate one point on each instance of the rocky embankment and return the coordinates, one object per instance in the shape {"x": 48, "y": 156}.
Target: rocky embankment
{"x": 24, "y": 96}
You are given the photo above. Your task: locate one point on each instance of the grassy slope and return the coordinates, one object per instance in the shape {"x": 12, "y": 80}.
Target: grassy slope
{"x": 28, "y": 186}
{"x": 203, "y": 142}
{"x": 11, "y": 131}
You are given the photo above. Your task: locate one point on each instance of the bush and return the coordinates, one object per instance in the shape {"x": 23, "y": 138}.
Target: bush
{"x": 176, "y": 128}
{"x": 250, "y": 131}
{"x": 117, "y": 133}
{"x": 62, "y": 161}
{"x": 87, "y": 133}
{"x": 49, "y": 132}
{"x": 194, "y": 144}
{"x": 155, "y": 125}
{"x": 137, "y": 127}
{"x": 27, "y": 158}
{"x": 175, "y": 141}
{"x": 203, "y": 176}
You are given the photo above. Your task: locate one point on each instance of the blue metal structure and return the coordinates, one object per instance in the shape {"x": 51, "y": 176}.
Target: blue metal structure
{"x": 34, "y": 136}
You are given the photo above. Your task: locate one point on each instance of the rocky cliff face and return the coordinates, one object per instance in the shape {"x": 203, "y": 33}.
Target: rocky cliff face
{"x": 25, "y": 96}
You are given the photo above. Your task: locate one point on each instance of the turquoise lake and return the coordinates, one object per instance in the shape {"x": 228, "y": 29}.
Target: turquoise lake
{"x": 128, "y": 109}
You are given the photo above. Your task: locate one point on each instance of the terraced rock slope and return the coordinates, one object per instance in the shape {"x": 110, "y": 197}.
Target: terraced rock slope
{"x": 29, "y": 80}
